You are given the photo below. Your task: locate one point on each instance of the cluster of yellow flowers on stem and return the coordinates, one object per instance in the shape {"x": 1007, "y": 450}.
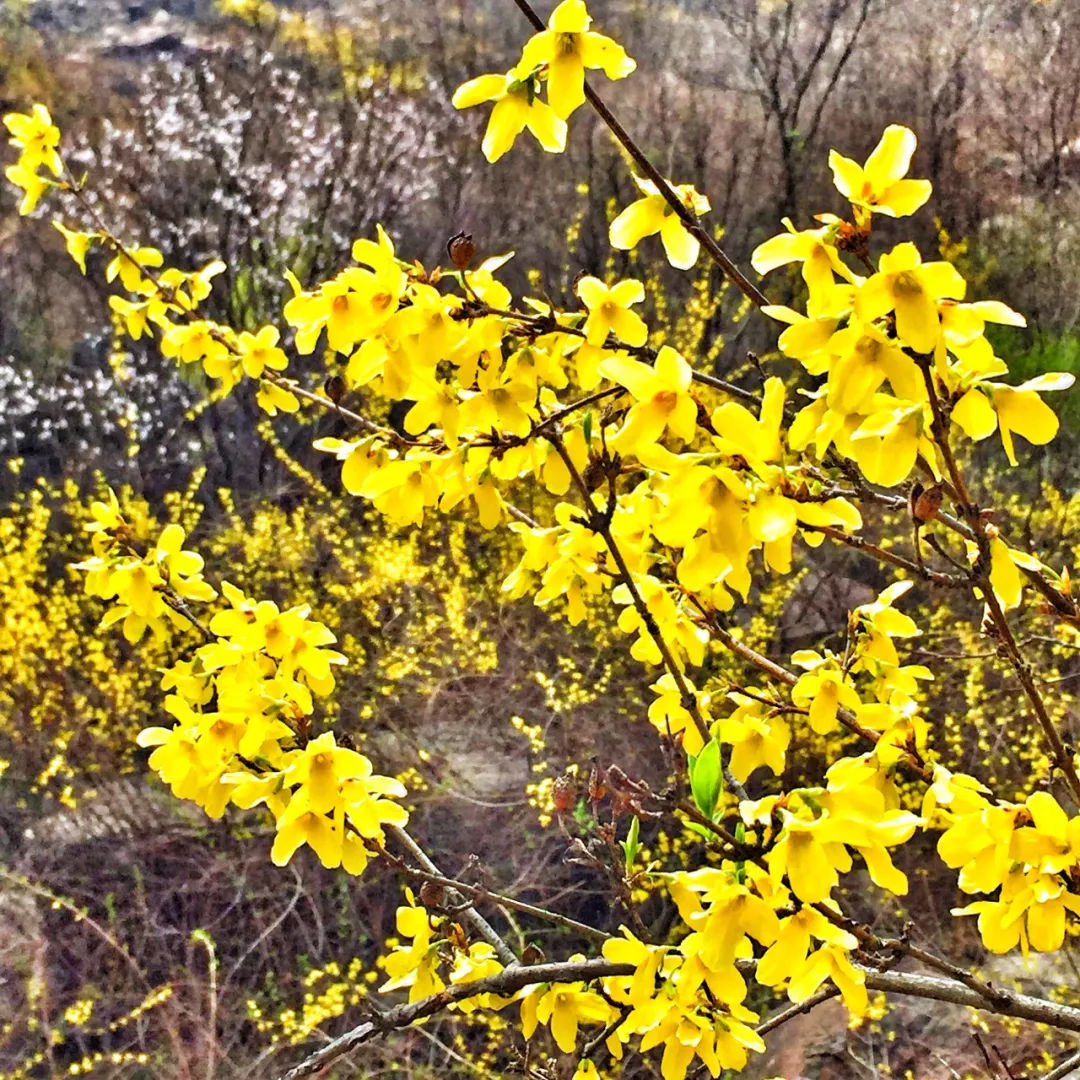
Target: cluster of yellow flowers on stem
{"x": 1028, "y": 851}
{"x": 36, "y": 138}
{"x": 673, "y": 998}
{"x": 554, "y": 59}
{"x": 668, "y": 491}
{"x": 242, "y": 704}
{"x": 557, "y": 58}
{"x": 903, "y": 325}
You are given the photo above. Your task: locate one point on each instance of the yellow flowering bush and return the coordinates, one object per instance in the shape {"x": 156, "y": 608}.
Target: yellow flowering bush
{"x": 652, "y": 496}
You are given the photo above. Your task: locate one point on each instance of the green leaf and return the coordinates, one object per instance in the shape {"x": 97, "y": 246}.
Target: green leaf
{"x": 631, "y": 845}
{"x": 587, "y": 428}
{"x": 707, "y": 778}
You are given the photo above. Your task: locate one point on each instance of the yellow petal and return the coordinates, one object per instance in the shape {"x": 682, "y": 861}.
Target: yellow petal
{"x": 538, "y": 50}
{"x": 566, "y": 83}
{"x": 629, "y": 327}
{"x": 905, "y": 197}
{"x": 1027, "y": 414}
{"x": 809, "y": 872}
{"x": 630, "y": 291}
{"x": 996, "y": 312}
{"x": 1005, "y": 577}
{"x": 507, "y": 119}
{"x": 598, "y": 51}
{"x": 891, "y": 158}
{"x": 640, "y": 219}
{"x": 549, "y": 129}
{"x": 564, "y": 1027}
{"x": 570, "y": 17}
{"x": 637, "y": 377}
{"x": 848, "y": 175}
{"x": 777, "y": 251}
{"x": 1046, "y": 926}
{"x": 975, "y": 415}
{"x": 942, "y": 279}
{"x": 874, "y": 298}
{"x": 475, "y": 91}
{"x": 917, "y": 323}
{"x": 882, "y": 871}
{"x": 680, "y": 246}
{"x": 672, "y": 371}
{"x": 591, "y": 291}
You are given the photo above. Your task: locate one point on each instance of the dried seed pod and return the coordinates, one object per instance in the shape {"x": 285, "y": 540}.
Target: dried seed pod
{"x": 461, "y": 249}
{"x": 595, "y": 473}
{"x": 925, "y": 503}
{"x": 334, "y": 387}
{"x": 532, "y": 954}
{"x": 597, "y": 783}
{"x": 432, "y": 894}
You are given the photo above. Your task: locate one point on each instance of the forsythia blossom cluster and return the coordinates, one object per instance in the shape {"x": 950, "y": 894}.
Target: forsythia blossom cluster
{"x": 884, "y": 340}
{"x": 36, "y": 138}
{"x": 557, "y": 59}
{"x": 1028, "y": 852}
{"x": 242, "y": 704}
{"x": 554, "y": 59}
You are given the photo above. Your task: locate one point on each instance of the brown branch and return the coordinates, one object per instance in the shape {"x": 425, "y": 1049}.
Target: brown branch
{"x": 504, "y": 984}
{"x": 571, "y": 407}
{"x": 1006, "y": 1002}
{"x": 770, "y": 1023}
{"x": 1062, "y": 757}
{"x": 600, "y": 523}
{"x": 511, "y": 980}
{"x": 935, "y": 577}
{"x": 1063, "y": 1067}
{"x": 353, "y": 417}
{"x": 980, "y": 575}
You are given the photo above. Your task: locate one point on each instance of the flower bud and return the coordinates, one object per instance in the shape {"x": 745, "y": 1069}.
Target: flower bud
{"x": 334, "y": 388}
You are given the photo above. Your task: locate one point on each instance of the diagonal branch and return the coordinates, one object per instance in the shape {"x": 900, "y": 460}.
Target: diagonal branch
{"x": 600, "y": 522}
{"x": 504, "y": 984}
{"x": 980, "y": 575}
{"x": 510, "y": 981}
{"x": 468, "y": 914}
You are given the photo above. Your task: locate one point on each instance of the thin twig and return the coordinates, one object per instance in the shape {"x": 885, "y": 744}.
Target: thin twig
{"x": 479, "y": 893}
{"x": 599, "y": 522}
{"x": 770, "y": 1023}
{"x": 935, "y": 577}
